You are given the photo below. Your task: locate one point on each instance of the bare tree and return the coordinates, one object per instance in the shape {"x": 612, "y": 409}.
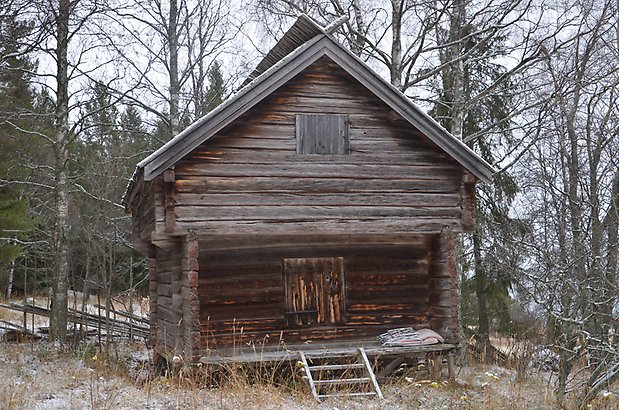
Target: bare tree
{"x": 571, "y": 195}
{"x": 177, "y": 41}
{"x": 65, "y": 39}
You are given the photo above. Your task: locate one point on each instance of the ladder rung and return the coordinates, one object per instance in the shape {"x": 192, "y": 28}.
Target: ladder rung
{"x": 371, "y": 393}
{"x": 344, "y": 381}
{"x": 337, "y": 366}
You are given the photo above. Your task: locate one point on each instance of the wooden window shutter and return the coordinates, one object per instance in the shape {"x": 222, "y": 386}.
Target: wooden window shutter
{"x": 325, "y": 134}
{"x": 314, "y": 291}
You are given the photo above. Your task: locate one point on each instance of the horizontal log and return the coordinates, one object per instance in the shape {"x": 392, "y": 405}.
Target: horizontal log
{"x": 307, "y": 184}
{"x": 387, "y": 291}
{"x": 164, "y": 289}
{"x": 241, "y": 280}
{"x": 354, "y": 279}
{"x": 185, "y": 214}
{"x": 244, "y": 296}
{"x": 414, "y": 200}
{"x": 387, "y": 307}
{"x": 247, "y": 156}
{"x": 240, "y": 292}
{"x": 301, "y": 170}
{"x": 403, "y": 318}
{"x": 222, "y": 274}
{"x": 348, "y": 246}
{"x": 165, "y": 313}
{"x": 259, "y": 243}
{"x": 246, "y": 325}
{"x": 325, "y": 226}
{"x": 247, "y": 310}
{"x": 414, "y": 262}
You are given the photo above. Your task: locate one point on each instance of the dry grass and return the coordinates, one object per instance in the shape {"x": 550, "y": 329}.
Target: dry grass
{"x": 40, "y": 375}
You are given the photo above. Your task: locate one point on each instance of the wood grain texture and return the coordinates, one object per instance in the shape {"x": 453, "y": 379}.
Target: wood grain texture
{"x": 243, "y": 292}
{"x": 388, "y": 209}
{"x": 250, "y": 178}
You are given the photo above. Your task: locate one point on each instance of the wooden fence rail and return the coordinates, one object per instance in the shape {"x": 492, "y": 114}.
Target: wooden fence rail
{"x": 130, "y": 325}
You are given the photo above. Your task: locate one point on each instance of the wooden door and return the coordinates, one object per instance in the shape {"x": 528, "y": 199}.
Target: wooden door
{"x": 314, "y": 290}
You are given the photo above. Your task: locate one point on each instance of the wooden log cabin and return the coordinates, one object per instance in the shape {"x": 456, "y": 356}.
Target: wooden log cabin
{"x": 317, "y": 204}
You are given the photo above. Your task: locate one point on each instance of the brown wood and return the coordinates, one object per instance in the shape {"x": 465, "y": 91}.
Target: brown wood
{"x": 467, "y": 191}
{"x": 169, "y": 214}
{"x": 285, "y": 247}
{"x": 314, "y": 291}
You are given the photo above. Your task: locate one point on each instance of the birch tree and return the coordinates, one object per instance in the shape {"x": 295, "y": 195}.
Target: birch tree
{"x": 66, "y": 39}
{"x": 572, "y": 177}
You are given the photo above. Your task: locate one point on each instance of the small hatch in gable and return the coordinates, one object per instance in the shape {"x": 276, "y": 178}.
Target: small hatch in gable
{"x": 323, "y": 134}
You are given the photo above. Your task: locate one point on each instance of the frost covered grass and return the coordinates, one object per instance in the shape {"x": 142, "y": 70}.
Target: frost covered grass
{"x": 39, "y": 375}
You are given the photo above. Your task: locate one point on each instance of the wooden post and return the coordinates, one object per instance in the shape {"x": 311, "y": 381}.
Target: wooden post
{"x": 443, "y": 311}
{"x": 433, "y": 364}
{"x": 451, "y": 367}
{"x": 190, "y": 300}
{"x": 152, "y": 292}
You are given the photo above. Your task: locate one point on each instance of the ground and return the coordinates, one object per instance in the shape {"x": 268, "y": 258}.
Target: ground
{"x": 39, "y": 375}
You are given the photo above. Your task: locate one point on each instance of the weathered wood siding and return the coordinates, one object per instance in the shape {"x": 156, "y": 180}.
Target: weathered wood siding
{"x": 249, "y": 180}
{"x": 242, "y": 292}
{"x": 169, "y": 302}
{"x": 252, "y": 202}
{"x": 143, "y": 218}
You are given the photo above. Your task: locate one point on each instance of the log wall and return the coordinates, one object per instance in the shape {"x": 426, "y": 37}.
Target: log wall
{"x": 252, "y": 201}
{"x": 169, "y": 302}
{"x": 248, "y": 179}
{"x": 143, "y": 221}
{"x": 242, "y": 292}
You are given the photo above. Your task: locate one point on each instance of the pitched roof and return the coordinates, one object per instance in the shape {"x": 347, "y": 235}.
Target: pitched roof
{"x": 303, "y": 30}
{"x": 276, "y": 74}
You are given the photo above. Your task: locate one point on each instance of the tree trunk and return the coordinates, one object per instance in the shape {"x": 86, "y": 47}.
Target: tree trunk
{"x": 396, "y": 43}
{"x": 564, "y": 371}
{"x": 173, "y": 69}
{"x": 58, "y": 316}
{"x": 480, "y": 292}
{"x": 9, "y": 286}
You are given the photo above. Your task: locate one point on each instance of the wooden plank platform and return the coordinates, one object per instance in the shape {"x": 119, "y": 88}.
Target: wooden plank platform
{"x": 275, "y": 354}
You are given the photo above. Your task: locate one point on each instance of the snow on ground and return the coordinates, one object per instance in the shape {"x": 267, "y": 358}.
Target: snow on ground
{"x": 39, "y": 375}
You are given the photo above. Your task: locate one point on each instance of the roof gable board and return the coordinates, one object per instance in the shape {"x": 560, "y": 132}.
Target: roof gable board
{"x": 279, "y": 74}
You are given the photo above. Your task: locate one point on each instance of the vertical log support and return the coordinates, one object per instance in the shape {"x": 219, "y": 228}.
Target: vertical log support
{"x": 467, "y": 204}
{"x": 190, "y": 301}
{"x": 443, "y": 311}
{"x": 168, "y": 189}
{"x": 152, "y": 301}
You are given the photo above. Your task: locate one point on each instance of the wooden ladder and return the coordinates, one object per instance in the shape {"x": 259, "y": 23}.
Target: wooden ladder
{"x": 367, "y": 382}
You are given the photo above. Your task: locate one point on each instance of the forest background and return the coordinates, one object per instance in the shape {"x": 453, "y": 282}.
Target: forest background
{"x": 90, "y": 87}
